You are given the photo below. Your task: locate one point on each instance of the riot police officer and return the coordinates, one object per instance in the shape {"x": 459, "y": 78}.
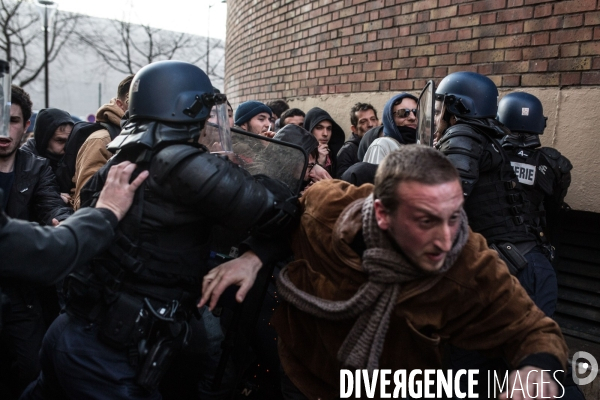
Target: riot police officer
{"x": 127, "y": 313}
{"x": 495, "y": 203}
{"x": 545, "y": 175}
{"x": 466, "y": 106}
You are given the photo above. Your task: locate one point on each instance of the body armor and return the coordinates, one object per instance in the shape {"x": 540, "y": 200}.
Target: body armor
{"x": 162, "y": 243}
{"x": 144, "y": 289}
{"x": 544, "y": 173}
{"x": 494, "y": 200}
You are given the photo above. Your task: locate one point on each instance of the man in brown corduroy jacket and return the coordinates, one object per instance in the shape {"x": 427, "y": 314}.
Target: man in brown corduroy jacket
{"x": 93, "y": 153}
{"x": 386, "y": 276}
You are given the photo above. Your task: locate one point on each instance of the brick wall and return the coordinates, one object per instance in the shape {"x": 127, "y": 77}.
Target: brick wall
{"x": 295, "y": 48}
{"x": 332, "y": 54}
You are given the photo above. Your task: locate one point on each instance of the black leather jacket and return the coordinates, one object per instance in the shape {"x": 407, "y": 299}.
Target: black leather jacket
{"x": 34, "y": 195}
{"x": 52, "y": 252}
{"x": 348, "y": 155}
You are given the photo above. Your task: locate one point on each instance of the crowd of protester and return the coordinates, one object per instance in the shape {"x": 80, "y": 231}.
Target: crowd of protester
{"x": 31, "y": 192}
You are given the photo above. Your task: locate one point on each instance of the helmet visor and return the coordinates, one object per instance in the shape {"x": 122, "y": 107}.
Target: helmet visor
{"x": 216, "y": 135}
{"x": 5, "y": 94}
{"x": 425, "y": 107}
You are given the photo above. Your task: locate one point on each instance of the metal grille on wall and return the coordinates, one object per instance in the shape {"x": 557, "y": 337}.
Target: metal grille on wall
{"x": 578, "y": 273}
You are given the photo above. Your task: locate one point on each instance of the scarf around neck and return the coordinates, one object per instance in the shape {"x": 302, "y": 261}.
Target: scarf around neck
{"x": 372, "y": 304}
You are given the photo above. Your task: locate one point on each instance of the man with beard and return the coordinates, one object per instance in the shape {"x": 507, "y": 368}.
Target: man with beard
{"x": 255, "y": 117}
{"x": 50, "y": 134}
{"x": 29, "y": 185}
{"x": 399, "y": 123}
{"x": 30, "y": 193}
{"x": 363, "y": 117}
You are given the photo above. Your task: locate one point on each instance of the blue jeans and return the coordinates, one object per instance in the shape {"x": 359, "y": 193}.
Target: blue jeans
{"x": 77, "y": 365}
{"x": 539, "y": 280}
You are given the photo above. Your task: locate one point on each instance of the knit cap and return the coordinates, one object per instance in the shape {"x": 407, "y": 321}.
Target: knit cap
{"x": 249, "y": 109}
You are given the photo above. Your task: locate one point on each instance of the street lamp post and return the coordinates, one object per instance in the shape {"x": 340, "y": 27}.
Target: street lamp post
{"x": 47, "y": 9}
{"x": 208, "y": 37}
{"x": 208, "y": 40}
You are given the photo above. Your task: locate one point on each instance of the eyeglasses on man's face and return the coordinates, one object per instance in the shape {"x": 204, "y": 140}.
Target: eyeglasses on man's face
{"x": 405, "y": 112}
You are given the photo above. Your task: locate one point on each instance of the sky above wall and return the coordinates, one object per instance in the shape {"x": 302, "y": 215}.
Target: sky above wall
{"x": 199, "y": 17}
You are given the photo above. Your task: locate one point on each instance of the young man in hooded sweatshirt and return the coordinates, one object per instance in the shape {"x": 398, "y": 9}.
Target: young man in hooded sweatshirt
{"x": 330, "y": 136}
{"x": 50, "y": 135}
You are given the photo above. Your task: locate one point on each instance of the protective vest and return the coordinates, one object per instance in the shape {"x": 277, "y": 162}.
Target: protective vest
{"x": 162, "y": 243}
{"x": 494, "y": 200}
{"x": 544, "y": 174}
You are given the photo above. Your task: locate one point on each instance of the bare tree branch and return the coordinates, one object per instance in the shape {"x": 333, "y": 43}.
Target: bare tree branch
{"x": 21, "y": 38}
{"x": 126, "y": 47}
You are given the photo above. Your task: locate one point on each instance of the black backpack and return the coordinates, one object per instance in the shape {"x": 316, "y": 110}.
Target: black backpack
{"x": 81, "y": 131}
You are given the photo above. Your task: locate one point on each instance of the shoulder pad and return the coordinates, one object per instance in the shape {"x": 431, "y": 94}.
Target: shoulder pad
{"x": 169, "y": 157}
{"x": 461, "y": 140}
{"x": 550, "y": 152}
{"x": 556, "y": 159}
{"x": 463, "y": 130}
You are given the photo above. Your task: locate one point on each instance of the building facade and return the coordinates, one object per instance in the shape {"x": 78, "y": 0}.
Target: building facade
{"x": 332, "y": 54}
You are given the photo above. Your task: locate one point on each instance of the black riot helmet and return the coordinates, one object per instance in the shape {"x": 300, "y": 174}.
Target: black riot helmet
{"x": 522, "y": 112}
{"x": 468, "y": 94}
{"x": 172, "y": 91}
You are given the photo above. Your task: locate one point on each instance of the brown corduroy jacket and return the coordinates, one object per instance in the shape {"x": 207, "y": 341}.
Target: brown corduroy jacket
{"x": 475, "y": 305}
{"x": 93, "y": 153}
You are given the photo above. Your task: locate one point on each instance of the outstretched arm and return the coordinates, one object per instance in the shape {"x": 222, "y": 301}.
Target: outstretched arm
{"x": 43, "y": 255}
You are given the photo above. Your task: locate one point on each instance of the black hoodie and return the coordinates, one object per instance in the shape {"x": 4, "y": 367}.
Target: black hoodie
{"x": 347, "y": 156}
{"x": 316, "y": 115}
{"x": 46, "y": 123}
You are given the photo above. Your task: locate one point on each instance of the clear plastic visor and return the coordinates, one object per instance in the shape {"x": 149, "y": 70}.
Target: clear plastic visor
{"x": 5, "y": 92}
{"x": 216, "y": 135}
{"x": 426, "y": 123}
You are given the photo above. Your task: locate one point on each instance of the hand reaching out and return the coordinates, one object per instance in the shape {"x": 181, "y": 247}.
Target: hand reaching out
{"x": 117, "y": 194}
{"x": 241, "y": 271}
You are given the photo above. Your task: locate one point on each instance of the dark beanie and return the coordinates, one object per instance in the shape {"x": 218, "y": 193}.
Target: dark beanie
{"x": 249, "y": 109}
